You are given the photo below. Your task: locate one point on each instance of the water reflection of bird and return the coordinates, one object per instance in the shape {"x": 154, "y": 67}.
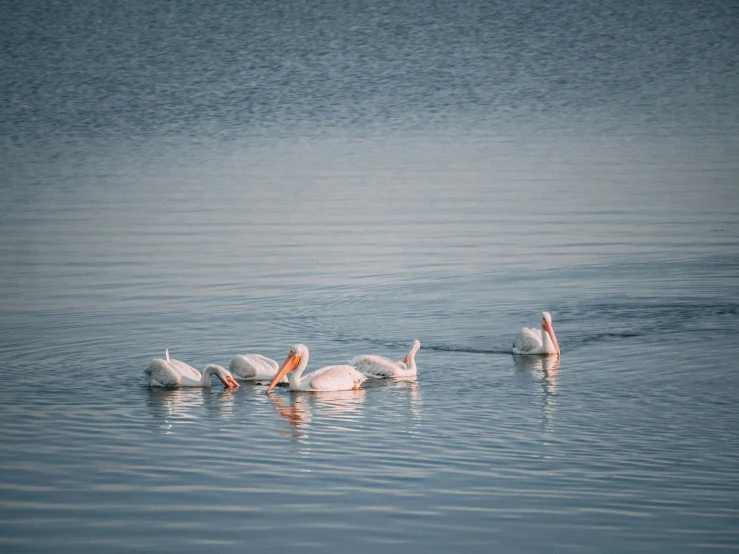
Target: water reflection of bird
{"x": 378, "y": 366}
{"x": 330, "y": 378}
{"x": 546, "y": 369}
{"x": 187, "y": 403}
{"x": 409, "y": 385}
{"x": 537, "y": 341}
{"x": 296, "y": 411}
{"x": 337, "y": 402}
{"x": 302, "y": 407}
{"x": 546, "y": 364}
{"x": 174, "y": 373}
{"x": 254, "y": 367}
{"x": 169, "y": 402}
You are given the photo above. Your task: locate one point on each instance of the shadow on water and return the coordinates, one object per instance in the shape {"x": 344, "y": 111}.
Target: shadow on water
{"x": 543, "y": 370}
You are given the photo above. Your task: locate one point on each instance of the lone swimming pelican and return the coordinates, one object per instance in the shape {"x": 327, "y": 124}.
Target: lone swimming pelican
{"x": 535, "y": 341}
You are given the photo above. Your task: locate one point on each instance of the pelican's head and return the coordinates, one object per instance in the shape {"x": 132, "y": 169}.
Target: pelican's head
{"x": 546, "y": 319}
{"x": 414, "y": 348}
{"x": 298, "y": 353}
{"x": 223, "y": 375}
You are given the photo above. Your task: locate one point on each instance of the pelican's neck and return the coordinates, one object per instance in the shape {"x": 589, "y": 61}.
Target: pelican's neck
{"x": 549, "y": 340}
{"x": 209, "y": 372}
{"x": 410, "y": 359}
{"x": 295, "y": 378}
{"x": 546, "y": 342}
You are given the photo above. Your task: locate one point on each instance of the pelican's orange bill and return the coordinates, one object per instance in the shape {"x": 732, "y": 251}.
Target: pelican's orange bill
{"x": 291, "y": 362}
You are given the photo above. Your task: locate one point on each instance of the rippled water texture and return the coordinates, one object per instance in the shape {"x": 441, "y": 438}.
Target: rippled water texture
{"x": 249, "y": 175}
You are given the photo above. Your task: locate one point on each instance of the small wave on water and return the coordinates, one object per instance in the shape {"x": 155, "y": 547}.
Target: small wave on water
{"x": 608, "y": 322}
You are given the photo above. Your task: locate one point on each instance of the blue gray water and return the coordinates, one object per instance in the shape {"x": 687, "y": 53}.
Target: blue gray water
{"x": 244, "y": 176}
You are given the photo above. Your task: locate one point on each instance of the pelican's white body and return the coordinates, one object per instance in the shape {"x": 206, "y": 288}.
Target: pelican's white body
{"x": 330, "y": 378}
{"x": 380, "y": 367}
{"x": 254, "y": 367}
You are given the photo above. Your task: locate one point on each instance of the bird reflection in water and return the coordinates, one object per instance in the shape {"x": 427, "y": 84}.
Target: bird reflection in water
{"x": 172, "y": 404}
{"x": 544, "y": 370}
{"x": 295, "y": 411}
{"x": 220, "y": 403}
{"x": 407, "y": 385}
{"x": 178, "y": 404}
{"x": 301, "y": 407}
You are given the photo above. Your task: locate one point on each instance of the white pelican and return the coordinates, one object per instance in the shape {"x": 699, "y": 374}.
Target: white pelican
{"x": 254, "y": 367}
{"x": 174, "y": 373}
{"x": 379, "y": 367}
{"x": 334, "y": 377}
{"x": 535, "y": 341}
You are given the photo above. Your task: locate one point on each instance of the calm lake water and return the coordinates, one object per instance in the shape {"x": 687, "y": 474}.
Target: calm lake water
{"x": 245, "y": 176}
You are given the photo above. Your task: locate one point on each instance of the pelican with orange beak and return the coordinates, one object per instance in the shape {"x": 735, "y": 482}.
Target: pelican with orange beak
{"x": 334, "y": 377}
{"x": 535, "y": 341}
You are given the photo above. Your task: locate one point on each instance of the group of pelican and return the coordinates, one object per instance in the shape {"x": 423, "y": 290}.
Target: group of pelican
{"x": 167, "y": 372}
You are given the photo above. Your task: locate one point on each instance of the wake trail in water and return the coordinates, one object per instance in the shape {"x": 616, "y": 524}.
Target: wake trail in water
{"x": 464, "y": 349}
{"x": 588, "y": 325}
{"x": 571, "y": 344}
{"x": 400, "y": 346}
